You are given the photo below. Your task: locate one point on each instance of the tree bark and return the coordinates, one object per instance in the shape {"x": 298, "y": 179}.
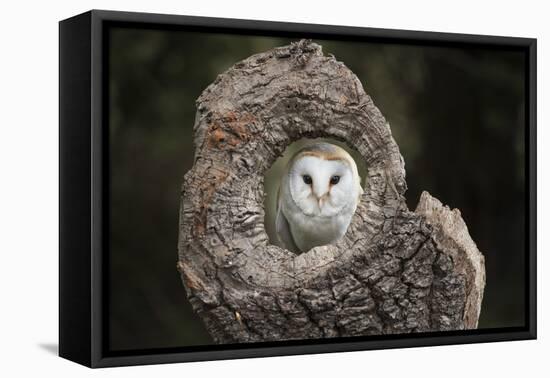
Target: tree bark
{"x": 395, "y": 271}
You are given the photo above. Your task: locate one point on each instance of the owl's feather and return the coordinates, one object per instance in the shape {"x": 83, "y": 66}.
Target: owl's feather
{"x": 283, "y": 228}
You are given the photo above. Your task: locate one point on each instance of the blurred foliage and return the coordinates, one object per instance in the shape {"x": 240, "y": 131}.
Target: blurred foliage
{"x": 456, "y": 113}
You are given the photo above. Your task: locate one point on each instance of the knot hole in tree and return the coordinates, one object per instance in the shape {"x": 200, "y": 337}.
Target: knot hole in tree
{"x": 284, "y": 166}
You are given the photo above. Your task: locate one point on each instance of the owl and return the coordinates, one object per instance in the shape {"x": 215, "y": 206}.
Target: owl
{"x": 318, "y": 194}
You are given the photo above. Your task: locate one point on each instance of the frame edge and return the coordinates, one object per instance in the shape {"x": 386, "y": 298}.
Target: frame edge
{"x": 74, "y": 190}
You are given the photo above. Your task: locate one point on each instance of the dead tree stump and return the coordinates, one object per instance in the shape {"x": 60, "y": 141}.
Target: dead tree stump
{"x": 395, "y": 271}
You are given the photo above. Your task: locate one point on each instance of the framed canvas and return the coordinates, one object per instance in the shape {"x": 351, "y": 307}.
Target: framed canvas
{"x": 235, "y": 188}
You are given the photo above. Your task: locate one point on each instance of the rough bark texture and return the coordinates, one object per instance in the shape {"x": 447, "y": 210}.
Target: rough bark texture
{"x": 395, "y": 271}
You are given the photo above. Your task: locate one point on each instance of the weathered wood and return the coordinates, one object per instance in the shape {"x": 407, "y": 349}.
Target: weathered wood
{"x": 395, "y": 271}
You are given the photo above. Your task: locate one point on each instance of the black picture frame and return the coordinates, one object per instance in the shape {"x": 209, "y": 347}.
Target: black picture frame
{"x": 83, "y": 195}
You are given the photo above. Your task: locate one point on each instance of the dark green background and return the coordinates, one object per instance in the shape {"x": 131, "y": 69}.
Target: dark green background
{"x": 457, "y": 115}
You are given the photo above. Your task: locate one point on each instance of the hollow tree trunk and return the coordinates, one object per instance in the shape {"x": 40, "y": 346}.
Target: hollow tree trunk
{"x": 395, "y": 271}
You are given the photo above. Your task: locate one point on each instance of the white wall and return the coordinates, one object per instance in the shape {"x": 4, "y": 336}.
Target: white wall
{"x": 28, "y": 199}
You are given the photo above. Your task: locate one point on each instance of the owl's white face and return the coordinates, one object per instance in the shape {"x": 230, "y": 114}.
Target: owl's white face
{"x": 322, "y": 187}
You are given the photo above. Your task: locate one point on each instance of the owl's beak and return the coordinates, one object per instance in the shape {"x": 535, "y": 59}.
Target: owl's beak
{"x": 321, "y": 200}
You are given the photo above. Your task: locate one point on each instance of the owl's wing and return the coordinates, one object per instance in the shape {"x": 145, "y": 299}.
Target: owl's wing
{"x": 361, "y": 191}
{"x": 283, "y": 228}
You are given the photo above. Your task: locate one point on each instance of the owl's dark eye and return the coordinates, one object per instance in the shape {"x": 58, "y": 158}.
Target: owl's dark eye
{"x": 334, "y": 180}
{"x": 307, "y": 179}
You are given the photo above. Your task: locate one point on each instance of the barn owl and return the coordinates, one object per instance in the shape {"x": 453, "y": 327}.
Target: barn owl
{"x": 318, "y": 194}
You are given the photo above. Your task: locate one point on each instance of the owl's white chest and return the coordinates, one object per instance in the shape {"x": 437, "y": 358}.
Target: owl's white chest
{"x": 310, "y": 231}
